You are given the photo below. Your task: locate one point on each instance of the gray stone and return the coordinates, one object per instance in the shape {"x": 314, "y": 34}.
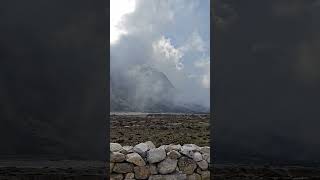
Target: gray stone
{"x": 150, "y": 145}
{"x": 136, "y": 159}
{"x": 205, "y": 150}
{"x": 111, "y": 167}
{"x": 129, "y": 176}
{"x": 141, "y": 149}
{"x": 156, "y": 155}
{"x": 206, "y": 157}
{"x": 153, "y": 169}
{"x": 116, "y": 176}
{"x": 197, "y": 156}
{"x": 194, "y": 176}
{"x": 141, "y": 172}
{"x": 115, "y": 147}
{"x": 117, "y": 157}
{"x": 205, "y": 175}
{"x": 173, "y": 154}
{"x": 169, "y": 177}
{"x": 203, "y": 165}
{"x": 123, "y": 168}
{"x": 189, "y": 149}
{"x": 167, "y": 166}
{"x": 173, "y": 147}
{"x": 187, "y": 165}
{"x": 127, "y": 149}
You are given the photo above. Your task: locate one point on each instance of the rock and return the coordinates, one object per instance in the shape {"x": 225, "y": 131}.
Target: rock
{"x": 163, "y": 147}
{"x": 129, "y": 176}
{"x": 141, "y": 172}
{"x": 115, "y": 147}
{"x": 117, "y": 157}
{"x": 156, "y": 155}
{"x": 167, "y": 166}
{"x": 187, "y": 165}
{"x": 168, "y": 177}
{"x": 116, "y": 176}
{"x": 141, "y": 149}
{"x": 111, "y": 167}
{"x": 127, "y": 149}
{"x": 153, "y": 169}
{"x": 205, "y": 150}
{"x": 150, "y": 145}
{"x": 136, "y": 159}
{"x": 194, "y": 176}
{"x": 123, "y": 168}
{"x": 205, "y": 175}
{"x": 197, "y": 157}
{"x": 173, "y": 147}
{"x": 173, "y": 154}
{"x": 203, "y": 165}
{"x": 189, "y": 149}
{"x": 206, "y": 157}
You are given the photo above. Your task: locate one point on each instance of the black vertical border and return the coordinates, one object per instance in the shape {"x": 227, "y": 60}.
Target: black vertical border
{"x": 107, "y": 87}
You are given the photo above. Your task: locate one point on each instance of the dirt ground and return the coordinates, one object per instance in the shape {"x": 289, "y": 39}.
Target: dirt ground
{"x": 131, "y": 129}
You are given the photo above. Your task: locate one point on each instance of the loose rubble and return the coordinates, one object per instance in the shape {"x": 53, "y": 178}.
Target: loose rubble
{"x": 146, "y": 161}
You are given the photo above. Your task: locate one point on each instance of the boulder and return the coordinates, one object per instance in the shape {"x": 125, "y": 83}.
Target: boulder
{"x": 123, "y": 168}
{"x": 206, "y": 157}
{"x": 141, "y": 149}
{"x": 187, "y": 165}
{"x": 169, "y": 177}
{"x": 127, "y": 149}
{"x": 173, "y": 154}
{"x": 141, "y": 172}
{"x": 205, "y": 150}
{"x": 150, "y": 145}
{"x": 197, "y": 157}
{"x": 194, "y": 176}
{"x": 129, "y": 176}
{"x": 173, "y": 147}
{"x": 117, "y": 157}
{"x": 203, "y": 165}
{"x": 111, "y": 167}
{"x": 205, "y": 175}
{"x": 156, "y": 155}
{"x": 167, "y": 166}
{"x": 116, "y": 176}
{"x": 136, "y": 159}
{"x": 115, "y": 147}
{"x": 153, "y": 169}
{"x": 189, "y": 149}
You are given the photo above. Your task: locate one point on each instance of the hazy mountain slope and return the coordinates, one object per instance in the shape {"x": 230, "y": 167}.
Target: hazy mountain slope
{"x": 145, "y": 89}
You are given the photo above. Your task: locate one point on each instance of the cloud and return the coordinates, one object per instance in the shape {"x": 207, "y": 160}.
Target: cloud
{"x": 168, "y": 53}
{"x": 162, "y": 34}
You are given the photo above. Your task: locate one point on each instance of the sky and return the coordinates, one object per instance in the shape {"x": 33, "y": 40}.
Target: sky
{"x": 170, "y": 35}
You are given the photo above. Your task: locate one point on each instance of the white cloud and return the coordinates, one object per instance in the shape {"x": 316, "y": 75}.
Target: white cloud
{"x": 170, "y": 35}
{"x": 168, "y": 52}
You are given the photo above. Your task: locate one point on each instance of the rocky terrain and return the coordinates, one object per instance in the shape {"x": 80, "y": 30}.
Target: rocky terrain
{"x": 161, "y": 128}
{"x": 146, "y": 161}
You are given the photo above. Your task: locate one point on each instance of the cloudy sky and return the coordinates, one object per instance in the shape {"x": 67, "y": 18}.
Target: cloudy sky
{"x": 170, "y": 35}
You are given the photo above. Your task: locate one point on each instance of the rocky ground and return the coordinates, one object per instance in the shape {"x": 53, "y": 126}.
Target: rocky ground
{"x": 133, "y": 128}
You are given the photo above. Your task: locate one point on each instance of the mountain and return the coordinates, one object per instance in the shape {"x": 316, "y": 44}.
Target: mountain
{"x": 143, "y": 88}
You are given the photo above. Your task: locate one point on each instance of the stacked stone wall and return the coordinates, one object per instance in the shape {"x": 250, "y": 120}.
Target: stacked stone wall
{"x": 167, "y": 162}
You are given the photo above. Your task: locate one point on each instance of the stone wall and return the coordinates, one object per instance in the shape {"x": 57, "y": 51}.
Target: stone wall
{"x": 167, "y": 162}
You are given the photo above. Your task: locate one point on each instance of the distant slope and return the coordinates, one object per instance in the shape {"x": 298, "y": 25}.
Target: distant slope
{"x": 145, "y": 89}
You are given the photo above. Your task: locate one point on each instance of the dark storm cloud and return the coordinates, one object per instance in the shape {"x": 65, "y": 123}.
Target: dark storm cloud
{"x": 267, "y": 80}
{"x": 53, "y": 78}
